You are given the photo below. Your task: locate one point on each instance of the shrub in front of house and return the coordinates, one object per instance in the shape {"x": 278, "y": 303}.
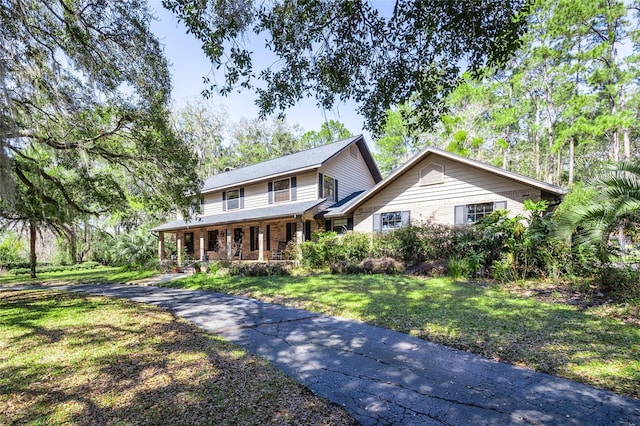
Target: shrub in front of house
{"x": 260, "y": 269}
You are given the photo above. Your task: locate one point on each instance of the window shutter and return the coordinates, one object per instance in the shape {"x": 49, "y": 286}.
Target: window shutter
{"x": 500, "y": 205}
{"x": 377, "y": 222}
{"x": 268, "y": 237}
{"x": 320, "y": 180}
{"x": 270, "y": 189}
{"x": 307, "y": 230}
{"x": 406, "y": 218}
{"x": 252, "y": 232}
{"x": 224, "y": 201}
{"x": 335, "y": 194}
{"x": 349, "y": 224}
{"x": 327, "y": 224}
{"x": 460, "y": 214}
{"x": 294, "y": 190}
{"x": 241, "y": 202}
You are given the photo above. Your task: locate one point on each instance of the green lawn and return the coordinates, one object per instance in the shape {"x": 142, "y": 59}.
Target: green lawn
{"x": 587, "y": 345}
{"x": 96, "y": 275}
{"x": 77, "y": 359}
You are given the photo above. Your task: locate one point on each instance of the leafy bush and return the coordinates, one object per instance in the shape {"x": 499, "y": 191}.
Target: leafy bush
{"x": 12, "y": 251}
{"x": 260, "y": 269}
{"x": 356, "y": 246}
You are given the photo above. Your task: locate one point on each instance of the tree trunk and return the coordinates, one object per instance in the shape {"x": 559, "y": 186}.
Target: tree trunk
{"x": 572, "y": 153}
{"x": 73, "y": 245}
{"x": 32, "y": 247}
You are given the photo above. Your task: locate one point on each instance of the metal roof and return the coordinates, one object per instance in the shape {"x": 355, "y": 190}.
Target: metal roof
{"x": 273, "y": 211}
{"x": 288, "y": 164}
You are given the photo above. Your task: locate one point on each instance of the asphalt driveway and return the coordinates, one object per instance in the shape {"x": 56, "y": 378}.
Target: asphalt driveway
{"x": 383, "y": 377}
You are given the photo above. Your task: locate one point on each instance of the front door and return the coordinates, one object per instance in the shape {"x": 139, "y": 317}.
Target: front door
{"x": 188, "y": 242}
{"x": 237, "y": 241}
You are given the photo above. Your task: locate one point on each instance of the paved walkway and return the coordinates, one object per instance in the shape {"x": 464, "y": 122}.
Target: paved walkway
{"x": 384, "y": 377}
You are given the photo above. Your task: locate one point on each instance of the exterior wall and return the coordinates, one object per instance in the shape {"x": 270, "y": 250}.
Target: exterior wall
{"x": 435, "y": 203}
{"x": 257, "y": 195}
{"x": 352, "y": 173}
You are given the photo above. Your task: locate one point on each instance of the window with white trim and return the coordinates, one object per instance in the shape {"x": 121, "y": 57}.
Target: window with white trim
{"x": 329, "y": 188}
{"x": 472, "y": 213}
{"x": 388, "y": 221}
{"x": 281, "y": 190}
{"x": 340, "y": 226}
{"x": 233, "y": 199}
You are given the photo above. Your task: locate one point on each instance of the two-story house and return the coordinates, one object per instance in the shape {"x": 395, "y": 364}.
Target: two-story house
{"x": 251, "y": 213}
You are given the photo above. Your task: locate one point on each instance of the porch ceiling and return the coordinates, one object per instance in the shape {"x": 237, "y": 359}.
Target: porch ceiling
{"x": 276, "y": 211}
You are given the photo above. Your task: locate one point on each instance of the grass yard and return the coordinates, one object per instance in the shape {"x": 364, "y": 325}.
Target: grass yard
{"x": 97, "y": 275}
{"x": 74, "y": 359}
{"x": 597, "y": 345}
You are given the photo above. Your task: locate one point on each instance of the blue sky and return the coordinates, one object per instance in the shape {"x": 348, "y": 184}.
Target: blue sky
{"x": 189, "y": 65}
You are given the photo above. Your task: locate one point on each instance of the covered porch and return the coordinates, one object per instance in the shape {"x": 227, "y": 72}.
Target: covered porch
{"x": 253, "y": 239}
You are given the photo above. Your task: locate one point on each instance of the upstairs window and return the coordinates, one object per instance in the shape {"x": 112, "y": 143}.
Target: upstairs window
{"x": 472, "y": 213}
{"x": 233, "y": 199}
{"x": 329, "y": 188}
{"x": 281, "y": 190}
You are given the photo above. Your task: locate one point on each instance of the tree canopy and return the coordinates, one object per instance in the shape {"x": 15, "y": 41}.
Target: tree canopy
{"x": 84, "y": 88}
{"x": 378, "y": 55}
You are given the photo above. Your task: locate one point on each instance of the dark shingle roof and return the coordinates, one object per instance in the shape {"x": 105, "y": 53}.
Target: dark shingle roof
{"x": 309, "y": 159}
{"x": 274, "y": 211}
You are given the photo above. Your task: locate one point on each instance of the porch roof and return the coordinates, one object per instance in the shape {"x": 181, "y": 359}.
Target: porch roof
{"x": 276, "y": 211}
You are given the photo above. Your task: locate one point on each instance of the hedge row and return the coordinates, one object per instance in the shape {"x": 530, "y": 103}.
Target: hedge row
{"x": 55, "y": 268}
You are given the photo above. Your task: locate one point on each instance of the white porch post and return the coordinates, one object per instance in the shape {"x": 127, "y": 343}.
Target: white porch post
{"x": 229, "y": 248}
{"x": 160, "y": 246}
{"x": 299, "y": 236}
{"x": 261, "y": 241}
{"x": 202, "y": 252}
{"x": 179, "y": 247}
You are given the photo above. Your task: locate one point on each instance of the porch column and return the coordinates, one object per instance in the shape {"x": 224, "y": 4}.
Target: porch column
{"x": 179, "y": 247}
{"x": 261, "y": 241}
{"x": 299, "y": 236}
{"x": 229, "y": 248}
{"x": 160, "y": 246}
{"x": 202, "y": 252}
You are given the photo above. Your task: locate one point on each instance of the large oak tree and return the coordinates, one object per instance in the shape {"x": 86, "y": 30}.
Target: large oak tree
{"x": 84, "y": 88}
{"x": 345, "y": 49}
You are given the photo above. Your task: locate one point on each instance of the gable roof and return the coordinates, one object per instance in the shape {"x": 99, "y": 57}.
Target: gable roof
{"x": 349, "y": 207}
{"x": 293, "y": 163}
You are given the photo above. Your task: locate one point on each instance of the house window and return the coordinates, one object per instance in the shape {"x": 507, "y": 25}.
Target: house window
{"x": 254, "y": 232}
{"x": 329, "y": 188}
{"x": 472, "y": 213}
{"x": 432, "y": 174}
{"x": 339, "y": 225}
{"x": 233, "y": 199}
{"x": 391, "y": 220}
{"x": 212, "y": 241}
{"x": 281, "y": 190}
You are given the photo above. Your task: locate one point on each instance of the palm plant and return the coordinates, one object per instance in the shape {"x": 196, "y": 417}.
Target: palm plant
{"x": 615, "y": 207}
